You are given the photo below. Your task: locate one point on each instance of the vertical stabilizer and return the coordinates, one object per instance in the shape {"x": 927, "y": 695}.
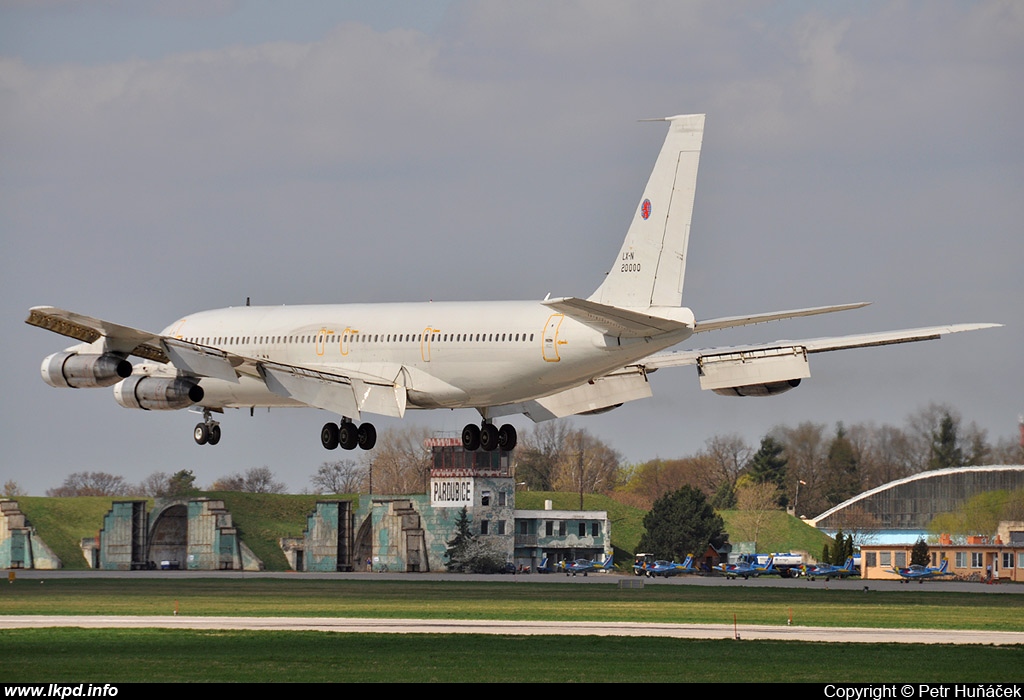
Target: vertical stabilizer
{"x": 650, "y": 267}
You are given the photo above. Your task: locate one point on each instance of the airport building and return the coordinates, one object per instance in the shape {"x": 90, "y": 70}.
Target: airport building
{"x": 397, "y": 533}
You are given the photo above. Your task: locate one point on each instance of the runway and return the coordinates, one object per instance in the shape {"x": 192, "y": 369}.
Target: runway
{"x": 521, "y": 628}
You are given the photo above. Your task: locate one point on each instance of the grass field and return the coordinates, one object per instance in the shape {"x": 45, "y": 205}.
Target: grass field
{"x": 102, "y": 656}
{"x": 67, "y": 655}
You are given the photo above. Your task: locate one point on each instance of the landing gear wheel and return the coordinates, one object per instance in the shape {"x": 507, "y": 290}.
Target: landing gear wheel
{"x": 201, "y": 434}
{"x": 507, "y": 438}
{"x": 367, "y": 436}
{"x": 488, "y": 437}
{"x": 348, "y": 436}
{"x": 471, "y": 438}
{"x": 329, "y": 436}
{"x": 214, "y": 437}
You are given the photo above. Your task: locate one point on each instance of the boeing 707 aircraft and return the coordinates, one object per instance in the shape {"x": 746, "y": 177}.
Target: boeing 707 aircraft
{"x": 545, "y": 359}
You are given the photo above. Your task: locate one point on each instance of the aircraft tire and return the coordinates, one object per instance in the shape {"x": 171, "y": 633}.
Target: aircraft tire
{"x": 367, "y": 436}
{"x": 214, "y": 435}
{"x": 471, "y": 438}
{"x": 507, "y": 437}
{"x": 201, "y": 434}
{"x": 329, "y": 436}
{"x": 348, "y": 436}
{"x": 488, "y": 437}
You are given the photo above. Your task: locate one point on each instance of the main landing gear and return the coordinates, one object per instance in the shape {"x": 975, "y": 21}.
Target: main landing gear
{"x": 348, "y": 435}
{"x": 207, "y": 432}
{"x": 488, "y": 438}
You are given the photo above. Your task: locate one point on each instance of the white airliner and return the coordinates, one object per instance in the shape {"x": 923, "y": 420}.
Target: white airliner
{"x": 545, "y": 359}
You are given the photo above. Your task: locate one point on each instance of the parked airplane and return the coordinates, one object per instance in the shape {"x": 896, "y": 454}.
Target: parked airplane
{"x": 545, "y": 359}
{"x": 830, "y": 571}
{"x": 585, "y": 566}
{"x": 747, "y": 569}
{"x": 916, "y": 572}
{"x": 670, "y": 568}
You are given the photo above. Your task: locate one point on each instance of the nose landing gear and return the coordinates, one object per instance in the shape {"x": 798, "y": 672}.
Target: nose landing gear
{"x": 207, "y": 432}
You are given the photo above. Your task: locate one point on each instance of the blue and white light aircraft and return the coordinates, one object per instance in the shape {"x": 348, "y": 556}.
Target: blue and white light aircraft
{"x": 545, "y": 358}
{"x": 746, "y": 569}
{"x": 666, "y": 569}
{"x": 585, "y": 566}
{"x": 830, "y": 571}
{"x": 916, "y": 572}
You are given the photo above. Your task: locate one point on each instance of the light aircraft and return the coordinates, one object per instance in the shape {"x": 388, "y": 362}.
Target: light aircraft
{"x": 916, "y": 572}
{"x": 670, "y": 568}
{"x": 746, "y": 569}
{"x": 830, "y": 571}
{"x": 584, "y": 566}
{"x": 546, "y": 359}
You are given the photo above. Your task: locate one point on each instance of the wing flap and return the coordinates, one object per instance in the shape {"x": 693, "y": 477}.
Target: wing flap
{"x": 338, "y": 393}
{"x": 201, "y": 360}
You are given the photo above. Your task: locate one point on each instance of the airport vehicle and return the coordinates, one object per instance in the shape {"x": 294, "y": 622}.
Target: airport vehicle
{"x": 746, "y": 569}
{"x": 830, "y": 571}
{"x": 917, "y": 572}
{"x": 670, "y": 568}
{"x": 546, "y": 358}
{"x": 585, "y": 566}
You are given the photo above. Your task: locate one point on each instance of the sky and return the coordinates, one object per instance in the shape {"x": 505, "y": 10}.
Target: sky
{"x": 159, "y": 158}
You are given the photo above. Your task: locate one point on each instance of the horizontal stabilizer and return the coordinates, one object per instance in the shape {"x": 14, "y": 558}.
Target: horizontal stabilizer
{"x": 716, "y": 324}
{"x": 620, "y": 322}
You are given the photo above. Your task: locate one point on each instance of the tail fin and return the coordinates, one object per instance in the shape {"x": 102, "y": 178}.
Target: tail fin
{"x": 650, "y": 267}
{"x": 943, "y": 568}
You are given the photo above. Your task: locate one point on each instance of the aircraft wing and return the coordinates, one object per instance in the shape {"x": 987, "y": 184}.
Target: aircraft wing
{"x": 340, "y": 391}
{"x": 680, "y": 358}
{"x": 88, "y": 330}
{"x": 716, "y": 324}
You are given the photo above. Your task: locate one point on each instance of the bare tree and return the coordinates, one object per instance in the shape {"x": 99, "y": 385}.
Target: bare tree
{"x": 587, "y": 465}
{"x": 756, "y": 502}
{"x": 92, "y": 484}
{"x": 727, "y": 457}
{"x": 254, "y": 480}
{"x": 341, "y": 476}
{"x": 12, "y": 489}
{"x": 539, "y": 452}
{"x": 400, "y": 462}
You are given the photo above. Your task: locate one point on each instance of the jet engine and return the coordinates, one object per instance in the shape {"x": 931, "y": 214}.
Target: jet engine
{"x": 158, "y": 393}
{"x": 770, "y": 389}
{"x": 71, "y": 370}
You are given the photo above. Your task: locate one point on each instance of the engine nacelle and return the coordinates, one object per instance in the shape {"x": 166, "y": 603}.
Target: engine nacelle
{"x": 770, "y": 389}
{"x": 158, "y": 393}
{"x": 71, "y": 370}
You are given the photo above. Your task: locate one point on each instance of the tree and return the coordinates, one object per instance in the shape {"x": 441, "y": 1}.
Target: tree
{"x": 919, "y": 553}
{"x": 539, "y": 451}
{"x": 341, "y": 476}
{"x": 769, "y": 466}
{"x": 842, "y": 478}
{"x": 680, "y": 523}
{"x": 756, "y": 503}
{"x": 945, "y": 448}
{"x": 586, "y": 465}
{"x": 399, "y": 462}
{"x": 469, "y": 554}
{"x": 12, "y": 489}
{"x": 255, "y": 480}
{"x": 92, "y": 484}
{"x": 181, "y": 484}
